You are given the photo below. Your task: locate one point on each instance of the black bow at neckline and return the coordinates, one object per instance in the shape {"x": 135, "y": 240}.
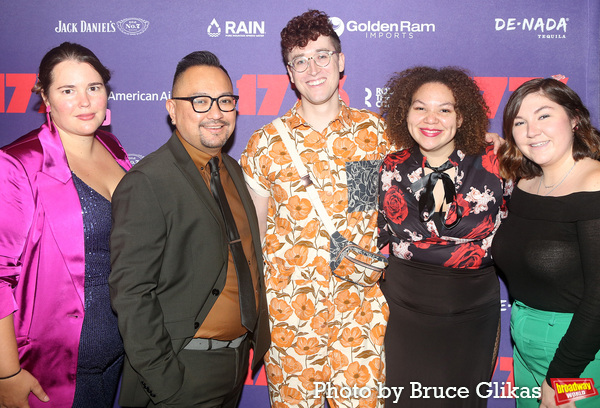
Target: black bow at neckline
{"x": 427, "y": 200}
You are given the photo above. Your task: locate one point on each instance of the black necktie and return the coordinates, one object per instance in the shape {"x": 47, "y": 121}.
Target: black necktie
{"x": 245, "y": 288}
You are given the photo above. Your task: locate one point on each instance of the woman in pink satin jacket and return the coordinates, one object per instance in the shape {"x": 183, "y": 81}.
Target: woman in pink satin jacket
{"x": 56, "y": 183}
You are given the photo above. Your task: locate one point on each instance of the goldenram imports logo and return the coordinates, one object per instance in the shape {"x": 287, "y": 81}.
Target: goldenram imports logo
{"x": 545, "y": 27}
{"x": 379, "y": 29}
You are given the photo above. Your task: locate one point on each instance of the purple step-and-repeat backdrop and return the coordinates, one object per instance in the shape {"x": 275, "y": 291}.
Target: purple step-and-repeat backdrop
{"x": 502, "y": 43}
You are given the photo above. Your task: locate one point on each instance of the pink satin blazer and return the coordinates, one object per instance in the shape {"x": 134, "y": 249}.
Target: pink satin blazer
{"x": 42, "y": 257}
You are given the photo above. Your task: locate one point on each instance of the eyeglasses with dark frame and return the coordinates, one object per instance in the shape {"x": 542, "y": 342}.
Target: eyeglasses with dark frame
{"x": 321, "y": 58}
{"x": 202, "y": 104}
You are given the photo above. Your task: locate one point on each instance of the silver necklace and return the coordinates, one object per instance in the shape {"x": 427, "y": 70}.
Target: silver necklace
{"x": 554, "y": 186}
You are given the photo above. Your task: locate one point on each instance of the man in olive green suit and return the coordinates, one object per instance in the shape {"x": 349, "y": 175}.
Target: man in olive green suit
{"x": 176, "y": 282}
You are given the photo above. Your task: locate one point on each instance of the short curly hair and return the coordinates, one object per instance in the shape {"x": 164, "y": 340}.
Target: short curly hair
{"x": 470, "y": 106}
{"x": 307, "y": 27}
{"x": 586, "y": 139}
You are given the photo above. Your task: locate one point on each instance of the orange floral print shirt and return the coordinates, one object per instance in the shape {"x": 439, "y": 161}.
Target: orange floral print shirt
{"x": 322, "y": 328}
{"x": 343, "y": 161}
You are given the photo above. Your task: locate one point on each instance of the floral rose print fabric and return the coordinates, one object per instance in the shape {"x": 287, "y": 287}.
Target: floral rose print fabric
{"x": 479, "y": 194}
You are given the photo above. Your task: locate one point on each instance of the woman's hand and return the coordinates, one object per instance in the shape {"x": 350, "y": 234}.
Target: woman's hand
{"x": 548, "y": 400}
{"x": 14, "y": 391}
{"x": 494, "y": 138}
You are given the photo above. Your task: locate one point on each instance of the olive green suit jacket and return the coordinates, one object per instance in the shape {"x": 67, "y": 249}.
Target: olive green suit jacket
{"x": 169, "y": 255}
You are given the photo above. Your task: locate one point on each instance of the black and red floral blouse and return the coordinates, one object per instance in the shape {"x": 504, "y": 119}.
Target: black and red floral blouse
{"x": 459, "y": 238}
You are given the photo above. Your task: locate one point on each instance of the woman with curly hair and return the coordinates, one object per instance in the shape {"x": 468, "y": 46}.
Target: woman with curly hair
{"x": 548, "y": 247}
{"x": 440, "y": 203}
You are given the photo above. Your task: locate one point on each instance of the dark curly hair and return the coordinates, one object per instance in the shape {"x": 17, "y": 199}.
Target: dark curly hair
{"x": 586, "y": 138}
{"x": 304, "y": 28}
{"x": 470, "y": 106}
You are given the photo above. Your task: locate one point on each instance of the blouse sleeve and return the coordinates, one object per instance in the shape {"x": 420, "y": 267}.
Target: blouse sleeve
{"x": 383, "y": 234}
{"x": 581, "y": 342}
{"x": 16, "y": 214}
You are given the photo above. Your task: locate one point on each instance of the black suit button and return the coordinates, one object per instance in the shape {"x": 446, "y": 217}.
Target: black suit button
{"x": 196, "y": 325}
{"x": 216, "y": 292}
{"x": 153, "y": 395}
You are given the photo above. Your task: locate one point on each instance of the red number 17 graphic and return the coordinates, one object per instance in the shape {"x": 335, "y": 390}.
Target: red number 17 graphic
{"x": 22, "y": 93}
{"x": 494, "y": 87}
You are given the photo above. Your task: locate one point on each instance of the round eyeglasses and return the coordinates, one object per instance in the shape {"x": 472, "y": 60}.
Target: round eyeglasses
{"x": 202, "y": 104}
{"x": 321, "y": 58}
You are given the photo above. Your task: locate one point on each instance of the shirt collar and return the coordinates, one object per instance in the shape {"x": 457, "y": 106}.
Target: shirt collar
{"x": 344, "y": 118}
{"x": 199, "y": 157}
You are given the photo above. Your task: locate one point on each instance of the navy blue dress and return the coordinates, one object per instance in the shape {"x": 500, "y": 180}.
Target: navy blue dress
{"x": 100, "y": 347}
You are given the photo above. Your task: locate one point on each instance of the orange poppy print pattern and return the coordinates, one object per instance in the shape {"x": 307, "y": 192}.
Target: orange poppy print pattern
{"x": 323, "y": 329}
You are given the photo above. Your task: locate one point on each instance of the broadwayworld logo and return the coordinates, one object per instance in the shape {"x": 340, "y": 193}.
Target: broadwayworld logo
{"x": 573, "y": 389}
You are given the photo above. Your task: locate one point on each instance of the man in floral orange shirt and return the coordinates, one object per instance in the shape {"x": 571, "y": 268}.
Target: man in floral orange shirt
{"x": 326, "y": 332}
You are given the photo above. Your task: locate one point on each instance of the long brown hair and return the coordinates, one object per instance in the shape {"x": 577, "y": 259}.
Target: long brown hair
{"x": 586, "y": 139}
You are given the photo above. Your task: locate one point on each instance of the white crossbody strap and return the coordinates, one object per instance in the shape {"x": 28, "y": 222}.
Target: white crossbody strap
{"x": 305, "y": 176}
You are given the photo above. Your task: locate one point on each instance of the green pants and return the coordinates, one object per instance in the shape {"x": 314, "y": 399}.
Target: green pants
{"x": 536, "y": 334}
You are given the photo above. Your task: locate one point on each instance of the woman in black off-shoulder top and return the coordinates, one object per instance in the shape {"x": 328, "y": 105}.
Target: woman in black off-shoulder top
{"x": 549, "y": 246}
